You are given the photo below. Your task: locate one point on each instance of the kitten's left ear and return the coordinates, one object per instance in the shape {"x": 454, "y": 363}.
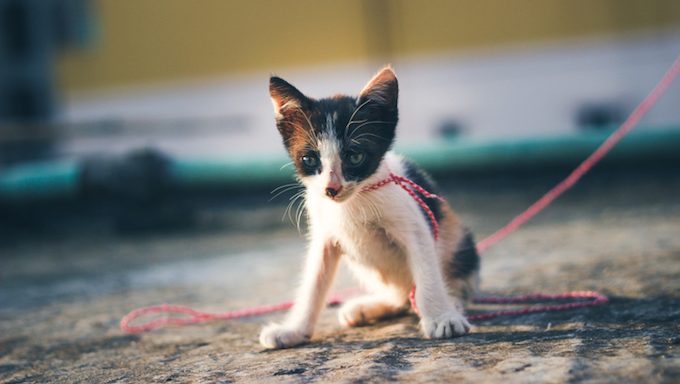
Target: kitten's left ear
{"x": 284, "y": 95}
{"x": 383, "y": 89}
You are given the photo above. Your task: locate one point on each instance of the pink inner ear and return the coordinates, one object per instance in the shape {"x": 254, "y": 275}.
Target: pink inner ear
{"x": 281, "y": 100}
{"x": 281, "y": 103}
{"x": 382, "y": 87}
{"x": 284, "y": 95}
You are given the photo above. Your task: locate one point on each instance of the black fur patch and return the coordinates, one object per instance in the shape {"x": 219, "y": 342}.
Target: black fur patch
{"x": 420, "y": 177}
{"x": 465, "y": 260}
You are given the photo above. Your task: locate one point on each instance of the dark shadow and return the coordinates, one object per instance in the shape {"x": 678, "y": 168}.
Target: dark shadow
{"x": 622, "y": 317}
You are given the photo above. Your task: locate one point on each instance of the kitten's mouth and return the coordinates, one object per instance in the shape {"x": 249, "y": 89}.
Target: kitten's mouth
{"x": 339, "y": 195}
{"x": 339, "y": 198}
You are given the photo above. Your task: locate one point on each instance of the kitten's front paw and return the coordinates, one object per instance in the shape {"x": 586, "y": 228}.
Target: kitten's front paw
{"x": 449, "y": 324}
{"x": 277, "y": 336}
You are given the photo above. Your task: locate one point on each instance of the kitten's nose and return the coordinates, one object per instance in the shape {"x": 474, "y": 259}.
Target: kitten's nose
{"x": 334, "y": 185}
{"x": 333, "y": 191}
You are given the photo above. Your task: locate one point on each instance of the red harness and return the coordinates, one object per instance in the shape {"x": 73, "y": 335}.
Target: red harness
{"x": 409, "y": 186}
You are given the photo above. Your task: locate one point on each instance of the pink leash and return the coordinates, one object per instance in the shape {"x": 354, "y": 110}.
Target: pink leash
{"x": 405, "y": 183}
{"x": 593, "y": 298}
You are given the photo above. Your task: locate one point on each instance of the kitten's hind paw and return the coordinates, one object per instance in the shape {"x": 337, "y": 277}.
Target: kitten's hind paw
{"x": 352, "y": 315}
{"x": 275, "y": 336}
{"x": 449, "y": 324}
{"x": 366, "y": 309}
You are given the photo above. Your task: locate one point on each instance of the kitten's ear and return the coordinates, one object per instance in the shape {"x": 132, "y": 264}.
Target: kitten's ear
{"x": 382, "y": 88}
{"x": 284, "y": 95}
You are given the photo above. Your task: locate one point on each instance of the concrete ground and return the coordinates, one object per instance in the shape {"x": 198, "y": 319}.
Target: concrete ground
{"x": 63, "y": 292}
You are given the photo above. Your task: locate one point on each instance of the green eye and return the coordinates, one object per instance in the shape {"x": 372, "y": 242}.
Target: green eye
{"x": 356, "y": 158}
{"x": 310, "y": 161}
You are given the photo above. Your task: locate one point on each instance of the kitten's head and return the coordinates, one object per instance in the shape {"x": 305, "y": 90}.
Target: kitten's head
{"x": 338, "y": 142}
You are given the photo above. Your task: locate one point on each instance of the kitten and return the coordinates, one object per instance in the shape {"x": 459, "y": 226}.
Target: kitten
{"x": 339, "y": 146}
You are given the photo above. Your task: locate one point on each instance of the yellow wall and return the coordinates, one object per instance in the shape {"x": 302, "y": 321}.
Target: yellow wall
{"x": 143, "y": 41}
{"x": 441, "y": 25}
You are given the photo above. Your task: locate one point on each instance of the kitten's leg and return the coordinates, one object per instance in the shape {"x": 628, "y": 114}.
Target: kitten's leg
{"x": 440, "y": 314}
{"x": 361, "y": 310}
{"x": 320, "y": 267}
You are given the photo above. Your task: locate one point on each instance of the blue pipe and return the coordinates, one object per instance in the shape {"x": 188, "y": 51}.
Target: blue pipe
{"x": 29, "y": 182}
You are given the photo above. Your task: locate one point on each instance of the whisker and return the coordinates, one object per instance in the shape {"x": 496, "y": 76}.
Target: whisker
{"x": 356, "y": 122}
{"x": 313, "y": 140}
{"x": 290, "y": 211}
{"x": 311, "y": 126}
{"x": 365, "y": 134}
{"x": 351, "y": 118}
{"x": 369, "y": 122}
{"x": 286, "y": 165}
{"x": 370, "y": 203}
{"x": 289, "y": 207}
{"x": 299, "y": 211}
{"x": 285, "y": 186}
{"x": 288, "y": 189}
{"x": 360, "y": 138}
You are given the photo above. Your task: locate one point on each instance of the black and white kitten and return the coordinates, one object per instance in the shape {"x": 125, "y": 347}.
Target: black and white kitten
{"x": 340, "y": 145}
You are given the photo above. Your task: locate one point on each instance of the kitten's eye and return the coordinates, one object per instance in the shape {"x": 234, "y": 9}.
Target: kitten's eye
{"x": 356, "y": 158}
{"x": 310, "y": 161}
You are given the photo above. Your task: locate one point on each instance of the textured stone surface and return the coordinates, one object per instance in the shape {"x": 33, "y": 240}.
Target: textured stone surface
{"x": 63, "y": 295}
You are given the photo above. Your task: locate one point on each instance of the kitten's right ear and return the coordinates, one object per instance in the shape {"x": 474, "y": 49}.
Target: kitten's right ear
{"x": 383, "y": 89}
{"x": 285, "y": 96}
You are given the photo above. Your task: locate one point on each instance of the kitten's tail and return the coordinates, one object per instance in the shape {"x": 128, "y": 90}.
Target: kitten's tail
{"x": 462, "y": 270}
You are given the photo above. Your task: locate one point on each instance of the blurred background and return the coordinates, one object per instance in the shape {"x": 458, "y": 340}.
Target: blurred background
{"x": 152, "y": 118}
{"x": 82, "y": 77}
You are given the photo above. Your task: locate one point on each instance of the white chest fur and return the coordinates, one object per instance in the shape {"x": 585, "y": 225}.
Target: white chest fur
{"x": 370, "y": 230}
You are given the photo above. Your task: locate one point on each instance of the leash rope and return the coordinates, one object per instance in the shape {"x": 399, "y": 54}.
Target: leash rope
{"x": 583, "y": 168}
{"x": 404, "y": 183}
{"x": 195, "y": 316}
{"x": 594, "y": 298}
